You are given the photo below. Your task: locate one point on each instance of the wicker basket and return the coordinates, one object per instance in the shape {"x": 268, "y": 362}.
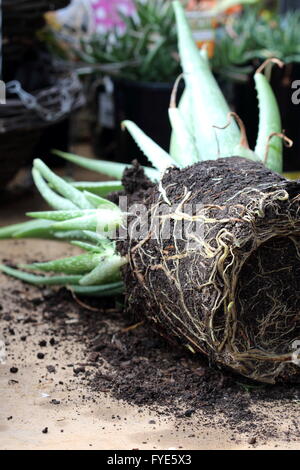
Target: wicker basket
{"x": 24, "y": 18}
{"x": 24, "y": 116}
{"x": 29, "y": 8}
{"x": 16, "y": 149}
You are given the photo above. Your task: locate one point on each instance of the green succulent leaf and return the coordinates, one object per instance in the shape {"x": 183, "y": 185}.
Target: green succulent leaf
{"x": 79, "y": 264}
{"x": 101, "y": 189}
{"x": 105, "y": 290}
{"x": 208, "y": 105}
{"x": 50, "y": 196}
{"x": 40, "y": 280}
{"x": 62, "y": 187}
{"x": 113, "y": 169}
{"x": 108, "y": 269}
{"x": 269, "y": 123}
{"x": 155, "y": 154}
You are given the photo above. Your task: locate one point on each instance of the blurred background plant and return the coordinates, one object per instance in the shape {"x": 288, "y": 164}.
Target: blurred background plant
{"x": 126, "y": 54}
{"x": 148, "y": 46}
{"x": 141, "y": 60}
{"x": 255, "y": 35}
{"x": 145, "y": 49}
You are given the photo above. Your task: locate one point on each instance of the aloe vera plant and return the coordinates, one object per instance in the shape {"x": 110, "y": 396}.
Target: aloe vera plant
{"x": 227, "y": 287}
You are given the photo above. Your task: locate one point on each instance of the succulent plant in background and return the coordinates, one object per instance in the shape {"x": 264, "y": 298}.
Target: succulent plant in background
{"x": 142, "y": 62}
{"x": 145, "y": 50}
{"x": 228, "y": 287}
{"x": 251, "y": 36}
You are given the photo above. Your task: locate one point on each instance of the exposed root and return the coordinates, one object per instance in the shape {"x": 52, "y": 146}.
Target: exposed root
{"x": 272, "y": 60}
{"x": 240, "y": 123}
{"x": 175, "y": 90}
{"x": 287, "y": 142}
{"x": 231, "y": 289}
{"x": 133, "y": 327}
{"x": 83, "y": 304}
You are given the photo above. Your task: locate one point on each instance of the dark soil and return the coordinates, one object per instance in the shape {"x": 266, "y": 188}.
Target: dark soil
{"x": 135, "y": 365}
{"x": 126, "y": 359}
{"x": 189, "y": 291}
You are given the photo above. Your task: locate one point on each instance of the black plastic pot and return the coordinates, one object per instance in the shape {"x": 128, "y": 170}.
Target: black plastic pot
{"x": 147, "y": 105}
{"x": 282, "y": 80}
{"x": 243, "y": 99}
{"x": 245, "y": 104}
{"x": 286, "y": 5}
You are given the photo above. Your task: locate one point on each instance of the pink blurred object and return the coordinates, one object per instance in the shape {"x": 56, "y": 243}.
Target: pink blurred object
{"x": 106, "y": 14}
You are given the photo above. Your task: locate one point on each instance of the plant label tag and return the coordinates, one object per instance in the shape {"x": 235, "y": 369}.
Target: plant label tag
{"x": 106, "y": 105}
{"x": 106, "y": 110}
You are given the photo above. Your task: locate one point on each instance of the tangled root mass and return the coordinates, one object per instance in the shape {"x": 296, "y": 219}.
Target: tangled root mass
{"x": 232, "y": 289}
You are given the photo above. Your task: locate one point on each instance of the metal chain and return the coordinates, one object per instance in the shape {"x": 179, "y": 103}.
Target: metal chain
{"x": 31, "y": 102}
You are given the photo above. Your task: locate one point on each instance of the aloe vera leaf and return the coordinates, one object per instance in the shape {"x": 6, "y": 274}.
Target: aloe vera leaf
{"x": 152, "y": 174}
{"x": 242, "y": 151}
{"x": 72, "y": 265}
{"x": 105, "y": 247}
{"x": 99, "y": 201}
{"x": 69, "y": 235}
{"x": 62, "y": 215}
{"x": 204, "y": 54}
{"x": 85, "y": 235}
{"x": 101, "y": 189}
{"x": 35, "y": 228}
{"x": 186, "y": 152}
{"x": 81, "y": 235}
{"x": 102, "y": 221}
{"x": 88, "y": 222}
{"x": 106, "y": 270}
{"x": 50, "y": 196}
{"x": 61, "y": 186}
{"x": 96, "y": 237}
{"x": 184, "y": 108}
{"x": 105, "y": 290}
{"x": 87, "y": 246}
{"x": 155, "y": 154}
{"x": 43, "y": 229}
{"x": 269, "y": 123}
{"x": 113, "y": 169}
{"x": 40, "y": 280}
{"x": 105, "y": 244}
{"x": 208, "y": 106}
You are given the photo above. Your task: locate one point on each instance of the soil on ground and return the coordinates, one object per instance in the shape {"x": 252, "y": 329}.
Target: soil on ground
{"x": 125, "y": 362}
{"x": 129, "y": 362}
